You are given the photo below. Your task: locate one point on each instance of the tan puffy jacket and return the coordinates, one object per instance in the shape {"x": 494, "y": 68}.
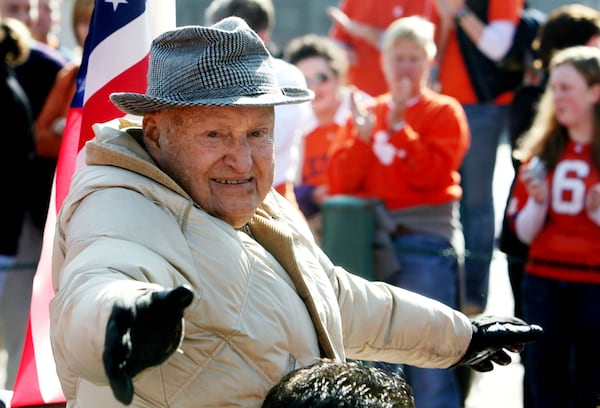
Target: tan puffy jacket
{"x": 127, "y": 228}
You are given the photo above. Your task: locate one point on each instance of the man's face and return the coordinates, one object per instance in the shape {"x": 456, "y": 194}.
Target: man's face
{"x": 17, "y": 9}
{"x": 222, "y": 156}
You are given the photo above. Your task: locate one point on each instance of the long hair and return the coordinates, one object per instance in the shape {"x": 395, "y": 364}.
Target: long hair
{"x": 547, "y": 138}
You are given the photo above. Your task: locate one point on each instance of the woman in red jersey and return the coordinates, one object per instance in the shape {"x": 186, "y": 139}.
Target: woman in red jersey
{"x": 555, "y": 208}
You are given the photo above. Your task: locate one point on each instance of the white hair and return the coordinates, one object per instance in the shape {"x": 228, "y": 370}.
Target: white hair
{"x": 413, "y": 28}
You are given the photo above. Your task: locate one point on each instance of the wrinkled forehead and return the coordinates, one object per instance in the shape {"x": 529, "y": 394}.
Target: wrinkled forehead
{"x": 217, "y": 115}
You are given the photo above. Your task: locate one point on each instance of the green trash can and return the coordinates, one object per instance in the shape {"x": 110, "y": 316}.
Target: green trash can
{"x": 348, "y": 232}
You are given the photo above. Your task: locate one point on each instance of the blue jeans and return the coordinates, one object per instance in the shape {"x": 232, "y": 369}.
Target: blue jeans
{"x": 487, "y": 122}
{"x": 428, "y": 267}
{"x": 562, "y": 368}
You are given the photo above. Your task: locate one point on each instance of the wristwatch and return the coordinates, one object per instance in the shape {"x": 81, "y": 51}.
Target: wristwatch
{"x": 461, "y": 13}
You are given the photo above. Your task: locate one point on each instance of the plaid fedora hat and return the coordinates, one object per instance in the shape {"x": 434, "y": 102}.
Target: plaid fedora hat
{"x": 226, "y": 64}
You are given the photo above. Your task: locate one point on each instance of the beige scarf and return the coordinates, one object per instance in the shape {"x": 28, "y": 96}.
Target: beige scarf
{"x": 275, "y": 237}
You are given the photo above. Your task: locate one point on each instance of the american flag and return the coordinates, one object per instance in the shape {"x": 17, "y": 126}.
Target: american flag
{"x": 115, "y": 58}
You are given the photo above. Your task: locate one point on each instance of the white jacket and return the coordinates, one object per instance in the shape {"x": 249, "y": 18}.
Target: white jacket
{"x": 127, "y": 228}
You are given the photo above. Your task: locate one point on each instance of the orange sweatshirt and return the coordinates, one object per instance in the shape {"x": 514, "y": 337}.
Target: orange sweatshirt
{"x": 416, "y": 165}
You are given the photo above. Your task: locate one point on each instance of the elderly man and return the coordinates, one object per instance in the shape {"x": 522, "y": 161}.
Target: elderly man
{"x": 183, "y": 279}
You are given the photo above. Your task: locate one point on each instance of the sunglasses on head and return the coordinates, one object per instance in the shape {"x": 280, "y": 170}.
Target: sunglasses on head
{"x": 318, "y": 79}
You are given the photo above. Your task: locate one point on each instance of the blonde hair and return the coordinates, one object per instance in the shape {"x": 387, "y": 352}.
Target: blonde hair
{"x": 413, "y": 28}
{"x": 15, "y": 40}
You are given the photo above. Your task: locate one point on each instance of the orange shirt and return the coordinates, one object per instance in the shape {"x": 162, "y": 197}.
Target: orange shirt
{"x": 416, "y": 165}
{"x": 316, "y": 153}
{"x": 453, "y": 74}
{"x": 365, "y": 70}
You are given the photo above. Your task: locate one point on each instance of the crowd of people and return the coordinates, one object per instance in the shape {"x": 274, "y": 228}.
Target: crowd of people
{"x": 217, "y": 291}
{"x": 28, "y": 174}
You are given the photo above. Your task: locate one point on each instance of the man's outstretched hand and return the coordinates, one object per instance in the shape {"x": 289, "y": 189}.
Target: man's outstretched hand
{"x": 492, "y": 336}
{"x": 142, "y": 335}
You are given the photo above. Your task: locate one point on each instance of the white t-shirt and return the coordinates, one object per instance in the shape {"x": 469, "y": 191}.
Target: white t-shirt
{"x": 289, "y": 124}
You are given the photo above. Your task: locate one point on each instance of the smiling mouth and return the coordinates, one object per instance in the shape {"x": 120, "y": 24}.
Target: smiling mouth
{"x": 242, "y": 181}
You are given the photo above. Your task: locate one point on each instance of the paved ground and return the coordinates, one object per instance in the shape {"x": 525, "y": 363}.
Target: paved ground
{"x": 2, "y": 364}
{"x": 502, "y": 387}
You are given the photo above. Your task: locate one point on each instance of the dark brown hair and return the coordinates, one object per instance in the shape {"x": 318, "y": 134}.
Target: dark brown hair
{"x": 312, "y": 45}
{"x": 566, "y": 26}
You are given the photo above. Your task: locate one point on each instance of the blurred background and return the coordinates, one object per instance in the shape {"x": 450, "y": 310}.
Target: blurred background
{"x": 293, "y": 17}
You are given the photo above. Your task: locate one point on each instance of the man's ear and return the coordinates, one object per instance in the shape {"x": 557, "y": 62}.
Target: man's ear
{"x": 151, "y": 134}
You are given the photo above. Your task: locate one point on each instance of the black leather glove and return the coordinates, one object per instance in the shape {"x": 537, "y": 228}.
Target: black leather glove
{"x": 491, "y": 335}
{"x": 142, "y": 335}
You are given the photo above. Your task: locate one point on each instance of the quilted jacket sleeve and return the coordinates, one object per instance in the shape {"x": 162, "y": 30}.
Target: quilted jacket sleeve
{"x": 103, "y": 264}
{"x": 382, "y": 322}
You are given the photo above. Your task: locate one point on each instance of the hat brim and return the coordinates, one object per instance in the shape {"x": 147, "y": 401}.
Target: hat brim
{"x": 140, "y": 104}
